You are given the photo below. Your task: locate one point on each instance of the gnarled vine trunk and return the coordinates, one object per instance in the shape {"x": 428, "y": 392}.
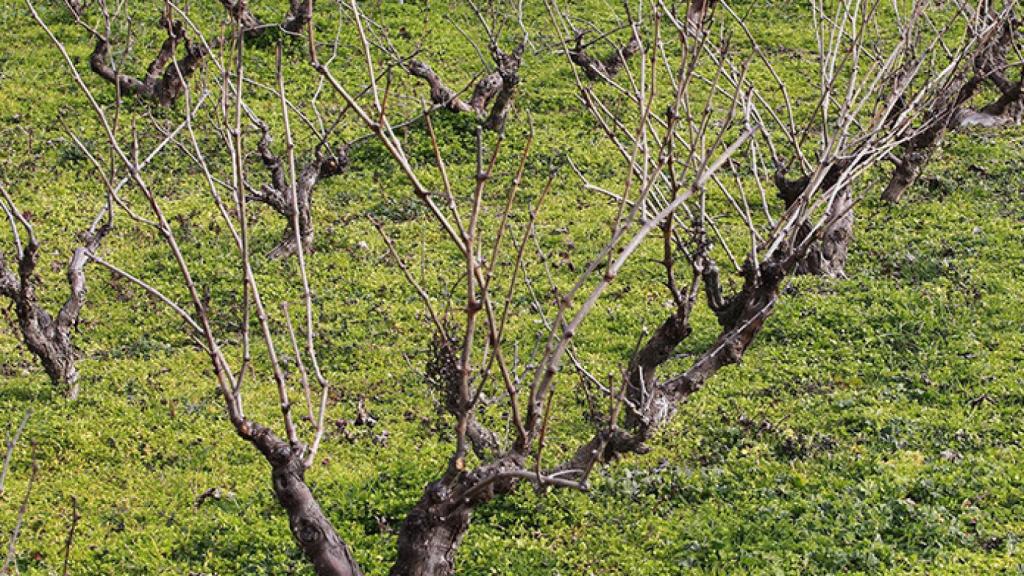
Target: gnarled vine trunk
{"x": 48, "y": 337}
{"x": 165, "y": 77}
{"x": 300, "y": 12}
{"x": 278, "y": 194}
{"x": 826, "y": 256}
{"x": 498, "y": 87}
{"x": 430, "y": 536}
{"x": 310, "y": 527}
{"x": 603, "y": 68}
{"x": 432, "y": 531}
{"x": 949, "y": 108}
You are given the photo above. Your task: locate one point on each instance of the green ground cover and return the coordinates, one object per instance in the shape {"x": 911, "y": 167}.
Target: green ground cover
{"x": 874, "y": 427}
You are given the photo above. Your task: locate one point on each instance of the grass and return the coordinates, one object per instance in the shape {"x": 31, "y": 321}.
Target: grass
{"x": 874, "y": 427}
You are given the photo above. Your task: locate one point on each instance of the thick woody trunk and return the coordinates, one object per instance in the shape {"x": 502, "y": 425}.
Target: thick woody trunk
{"x": 918, "y": 151}
{"x": 697, "y": 13}
{"x": 498, "y": 87}
{"x": 288, "y": 246}
{"x": 165, "y": 77}
{"x": 51, "y": 345}
{"x": 47, "y": 337}
{"x": 827, "y": 257}
{"x": 645, "y": 403}
{"x": 741, "y": 316}
{"x": 947, "y": 113}
{"x": 299, "y": 14}
{"x": 905, "y": 174}
{"x": 508, "y": 69}
{"x": 429, "y": 538}
{"x": 278, "y": 194}
{"x": 606, "y": 68}
{"x": 312, "y": 531}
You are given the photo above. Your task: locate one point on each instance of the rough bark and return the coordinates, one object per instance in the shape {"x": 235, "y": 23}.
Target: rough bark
{"x": 298, "y": 16}
{"x": 741, "y": 317}
{"x": 300, "y": 12}
{"x": 313, "y": 532}
{"x": 165, "y": 78}
{"x": 644, "y": 366}
{"x": 918, "y": 150}
{"x": 440, "y": 94}
{"x": 991, "y": 65}
{"x": 278, "y": 194}
{"x": 603, "y": 68}
{"x": 948, "y": 114}
{"x": 508, "y": 69}
{"x": 949, "y": 110}
{"x": 498, "y": 88}
{"x": 47, "y": 337}
{"x": 827, "y": 255}
{"x": 444, "y": 375}
{"x": 433, "y": 529}
{"x": 239, "y": 12}
{"x": 429, "y": 537}
{"x": 697, "y": 13}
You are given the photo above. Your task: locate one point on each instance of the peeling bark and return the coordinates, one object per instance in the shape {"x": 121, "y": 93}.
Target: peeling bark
{"x": 432, "y": 531}
{"x": 444, "y": 374}
{"x": 991, "y": 65}
{"x": 741, "y": 317}
{"x": 443, "y": 96}
{"x": 49, "y": 338}
{"x": 603, "y": 68}
{"x": 949, "y": 110}
{"x": 508, "y": 70}
{"x": 918, "y": 150}
{"x": 310, "y": 527}
{"x": 498, "y": 88}
{"x": 741, "y": 321}
{"x": 430, "y": 536}
{"x": 165, "y": 78}
{"x": 277, "y": 193}
{"x": 300, "y": 12}
{"x": 644, "y": 366}
{"x": 239, "y": 12}
{"x": 827, "y": 255}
